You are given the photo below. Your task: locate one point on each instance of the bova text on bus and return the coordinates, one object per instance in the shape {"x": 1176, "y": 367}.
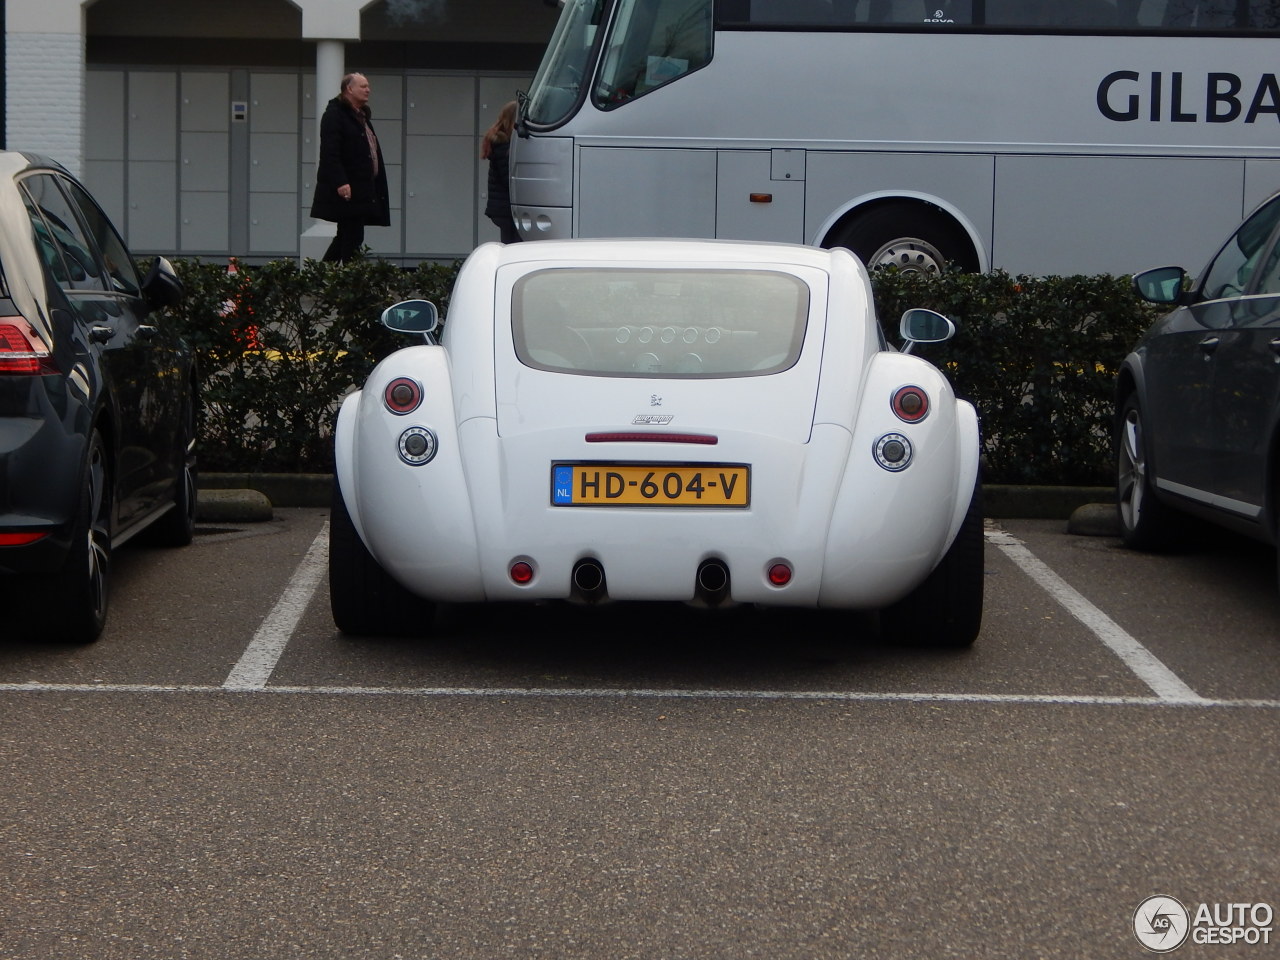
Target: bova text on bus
{"x": 1128, "y": 95}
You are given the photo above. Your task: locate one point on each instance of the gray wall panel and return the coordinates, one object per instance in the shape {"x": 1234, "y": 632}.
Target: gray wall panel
{"x": 441, "y": 105}
{"x": 204, "y": 222}
{"x": 104, "y": 115}
{"x": 440, "y": 215}
{"x": 273, "y": 103}
{"x": 205, "y": 101}
{"x": 273, "y": 162}
{"x": 273, "y": 223}
{"x": 152, "y": 118}
{"x": 206, "y": 159}
{"x": 151, "y": 219}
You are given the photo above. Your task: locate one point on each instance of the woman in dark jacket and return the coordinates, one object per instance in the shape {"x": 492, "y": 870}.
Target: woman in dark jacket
{"x": 496, "y": 148}
{"x": 351, "y": 181}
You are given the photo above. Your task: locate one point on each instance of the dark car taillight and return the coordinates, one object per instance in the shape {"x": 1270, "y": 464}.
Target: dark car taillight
{"x": 21, "y": 349}
{"x": 20, "y": 539}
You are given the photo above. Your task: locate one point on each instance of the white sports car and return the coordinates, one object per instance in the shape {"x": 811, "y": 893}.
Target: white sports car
{"x": 707, "y": 422}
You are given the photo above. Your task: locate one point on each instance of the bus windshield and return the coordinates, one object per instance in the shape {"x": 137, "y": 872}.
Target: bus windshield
{"x": 651, "y": 43}
{"x": 556, "y": 87}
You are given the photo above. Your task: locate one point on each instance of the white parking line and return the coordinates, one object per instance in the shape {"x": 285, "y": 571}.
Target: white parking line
{"x": 632, "y": 693}
{"x": 1166, "y": 684}
{"x": 255, "y": 666}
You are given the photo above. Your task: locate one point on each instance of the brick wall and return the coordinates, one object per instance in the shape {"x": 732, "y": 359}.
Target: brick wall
{"x": 44, "y": 74}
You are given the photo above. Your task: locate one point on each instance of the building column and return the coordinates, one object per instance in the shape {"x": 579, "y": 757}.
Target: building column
{"x": 330, "y": 23}
{"x": 330, "y": 69}
{"x": 45, "y": 79}
{"x": 330, "y": 61}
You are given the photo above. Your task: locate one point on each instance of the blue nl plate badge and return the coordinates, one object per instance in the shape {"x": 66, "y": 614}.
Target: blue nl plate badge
{"x": 562, "y": 485}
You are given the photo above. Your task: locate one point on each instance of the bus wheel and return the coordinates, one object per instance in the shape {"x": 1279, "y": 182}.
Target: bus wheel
{"x": 913, "y": 239}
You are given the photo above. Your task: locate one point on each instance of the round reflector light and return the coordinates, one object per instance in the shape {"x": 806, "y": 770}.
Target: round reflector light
{"x": 911, "y": 404}
{"x": 417, "y": 446}
{"x": 893, "y": 452}
{"x": 402, "y": 396}
{"x": 521, "y": 572}
{"x": 780, "y": 574}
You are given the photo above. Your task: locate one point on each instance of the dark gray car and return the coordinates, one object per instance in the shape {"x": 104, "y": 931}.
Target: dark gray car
{"x": 1198, "y": 399}
{"x": 97, "y": 404}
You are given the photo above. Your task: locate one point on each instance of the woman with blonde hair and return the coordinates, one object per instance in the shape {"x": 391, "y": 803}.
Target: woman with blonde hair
{"x": 496, "y": 148}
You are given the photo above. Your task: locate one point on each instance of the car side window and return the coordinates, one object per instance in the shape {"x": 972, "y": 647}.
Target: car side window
{"x": 1233, "y": 267}
{"x": 1269, "y": 273}
{"x": 120, "y": 269}
{"x": 59, "y": 237}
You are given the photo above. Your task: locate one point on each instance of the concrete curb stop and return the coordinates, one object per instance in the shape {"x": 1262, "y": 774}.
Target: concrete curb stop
{"x": 232, "y": 506}
{"x": 249, "y": 498}
{"x": 1094, "y": 520}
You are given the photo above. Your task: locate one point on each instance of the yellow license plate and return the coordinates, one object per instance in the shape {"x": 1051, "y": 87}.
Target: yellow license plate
{"x": 650, "y": 485}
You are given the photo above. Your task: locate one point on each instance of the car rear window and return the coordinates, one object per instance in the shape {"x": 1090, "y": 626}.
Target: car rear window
{"x": 668, "y": 323}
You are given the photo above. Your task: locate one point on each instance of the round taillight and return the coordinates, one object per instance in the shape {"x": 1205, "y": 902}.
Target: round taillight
{"x": 521, "y": 572}
{"x": 402, "y": 396}
{"x": 780, "y": 574}
{"x": 911, "y": 404}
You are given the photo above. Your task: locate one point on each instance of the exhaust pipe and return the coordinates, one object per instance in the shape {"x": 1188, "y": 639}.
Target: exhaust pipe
{"x": 712, "y": 583}
{"x": 588, "y": 581}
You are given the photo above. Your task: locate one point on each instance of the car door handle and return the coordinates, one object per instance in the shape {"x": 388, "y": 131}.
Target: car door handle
{"x": 101, "y": 334}
{"x": 1208, "y": 345}
{"x": 147, "y": 331}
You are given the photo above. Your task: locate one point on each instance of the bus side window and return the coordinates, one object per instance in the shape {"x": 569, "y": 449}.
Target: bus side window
{"x": 792, "y": 11}
{"x": 1211, "y": 14}
{"x": 915, "y": 11}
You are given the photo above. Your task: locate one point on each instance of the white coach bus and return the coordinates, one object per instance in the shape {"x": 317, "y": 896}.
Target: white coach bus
{"x": 1039, "y": 136}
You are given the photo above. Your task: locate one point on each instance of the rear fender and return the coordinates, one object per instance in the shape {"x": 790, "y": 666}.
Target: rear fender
{"x": 890, "y": 529}
{"x": 415, "y": 520}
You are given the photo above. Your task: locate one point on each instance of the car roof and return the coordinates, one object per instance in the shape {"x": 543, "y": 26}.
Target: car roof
{"x": 14, "y": 162}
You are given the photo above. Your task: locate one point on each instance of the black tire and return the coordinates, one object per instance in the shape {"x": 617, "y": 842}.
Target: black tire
{"x": 910, "y": 237}
{"x": 75, "y": 608}
{"x": 1145, "y": 522}
{"x": 364, "y": 599}
{"x": 177, "y": 527}
{"x": 946, "y": 609}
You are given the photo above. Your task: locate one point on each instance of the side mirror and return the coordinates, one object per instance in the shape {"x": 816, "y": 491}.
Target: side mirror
{"x": 412, "y": 316}
{"x": 1161, "y": 285}
{"x": 161, "y": 286}
{"x": 924, "y": 326}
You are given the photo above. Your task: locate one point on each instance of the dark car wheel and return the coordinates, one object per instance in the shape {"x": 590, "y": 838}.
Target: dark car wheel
{"x": 364, "y": 599}
{"x": 178, "y": 526}
{"x": 75, "y": 607}
{"x": 1145, "y": 522}
{"x": 946, "y": 609}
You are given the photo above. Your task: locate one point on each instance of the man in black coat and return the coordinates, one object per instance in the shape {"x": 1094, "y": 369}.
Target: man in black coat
{"x": 351, "y": 182}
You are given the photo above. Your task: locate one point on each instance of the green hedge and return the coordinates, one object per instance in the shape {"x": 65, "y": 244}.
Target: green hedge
{"x": 278, "y": 345}
{"x": 1038, "y": 357}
